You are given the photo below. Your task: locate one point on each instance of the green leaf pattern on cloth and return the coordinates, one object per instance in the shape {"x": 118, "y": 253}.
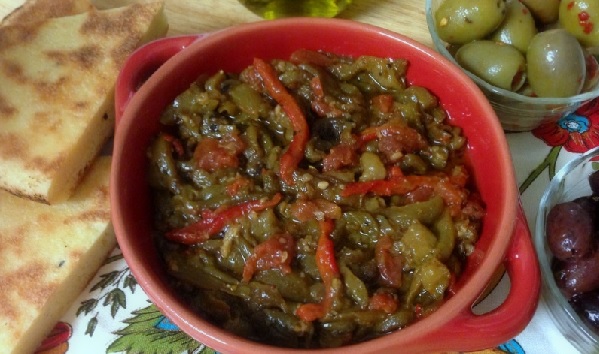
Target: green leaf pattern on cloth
{"x": 143, "y": 329}
{"x": 143, "y": 334}
{"x": 111, "y": 296}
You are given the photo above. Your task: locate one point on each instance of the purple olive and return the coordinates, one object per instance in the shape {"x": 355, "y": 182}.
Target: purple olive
{"x": 576, "y": 276}
{"x": 569, "y": 231}
{"x": 586, "y": 306}
{"x": 591, "y": 206}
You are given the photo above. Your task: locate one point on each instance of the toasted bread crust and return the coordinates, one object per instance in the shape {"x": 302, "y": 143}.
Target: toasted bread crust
{"x": 50, "y": 253}
{"x": 40, "y": 10}
{"x": 56, "y": 94}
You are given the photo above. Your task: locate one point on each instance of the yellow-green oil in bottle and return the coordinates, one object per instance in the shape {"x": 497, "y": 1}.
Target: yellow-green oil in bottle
{"x": 271, "y": 9}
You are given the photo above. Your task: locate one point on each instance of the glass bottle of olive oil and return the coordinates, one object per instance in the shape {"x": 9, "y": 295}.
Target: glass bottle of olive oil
{"x": 271, "y": 9}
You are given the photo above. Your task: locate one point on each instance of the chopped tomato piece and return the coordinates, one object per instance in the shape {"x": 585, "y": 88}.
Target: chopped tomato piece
{"x": 453, "y": 195}
{"x": 214, "y": 154}
{"x": 383, "y": 301}
{"x": 388, "y": 264}
{"x": 310, "y": 312}
{"x": 409, "y": 138}
{"x": 340, "y": 156}
{"x": 305, "y": 210}
{"x": 394, "y": 139}
{"x": 275, "y": 253}
{"x": 240, "y": 183}
{"x": 395, "y": 172}
{"x": 383, "y": 103}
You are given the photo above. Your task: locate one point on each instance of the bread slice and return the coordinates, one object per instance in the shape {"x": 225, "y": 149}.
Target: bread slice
{"x": 49, "y": 253}
{"x": 39, "y": 10}
{"x": 56, "y": 94}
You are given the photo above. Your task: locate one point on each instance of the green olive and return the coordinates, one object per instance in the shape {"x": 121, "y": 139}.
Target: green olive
{"x": 497, "y": 63}
{"x": 581, "y": 18}
{"x": 556, "y": 64}
{"x": 517, "y": 28}
{"x": 462, "y": 21}
{"x": 546, "y": 11}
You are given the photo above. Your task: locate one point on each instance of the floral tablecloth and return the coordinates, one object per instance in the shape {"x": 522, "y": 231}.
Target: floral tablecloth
{"x": 113, "y": 315}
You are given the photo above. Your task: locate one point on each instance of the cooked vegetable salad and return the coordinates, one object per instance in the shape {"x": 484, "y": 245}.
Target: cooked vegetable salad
{"x": 312, "y": 202}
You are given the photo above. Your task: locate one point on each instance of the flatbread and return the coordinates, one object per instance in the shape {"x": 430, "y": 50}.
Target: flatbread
{"x": 56, "y": 94}
{"x": 39, "y": 10}
{"x": 49, "y": 253}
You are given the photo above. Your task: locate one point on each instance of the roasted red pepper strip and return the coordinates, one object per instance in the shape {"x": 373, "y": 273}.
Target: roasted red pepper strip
{"x": 302, "y": 56}
{"x": 328, "y": 270}
{"x": 325, "y": 253}
{"x": 295, "y": 152}
{"x": 452, "y": 194}
{"x": 410, "y": 134}
{"x": 317, "y": 89}
{"x": 319, "y": 104}
{"x": 386, "y": 187}
{"x": 371, "y": 133}
{"x": 214, "y": 221}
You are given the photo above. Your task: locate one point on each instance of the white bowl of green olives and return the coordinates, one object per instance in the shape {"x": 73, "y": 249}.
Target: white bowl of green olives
{"x": 567, "y": 245}
{"x": 534, "y": 59}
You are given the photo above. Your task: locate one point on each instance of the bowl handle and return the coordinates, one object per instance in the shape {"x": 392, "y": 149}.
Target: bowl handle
{"x": 142, "y": 63}
{"x": 512, "y": 316}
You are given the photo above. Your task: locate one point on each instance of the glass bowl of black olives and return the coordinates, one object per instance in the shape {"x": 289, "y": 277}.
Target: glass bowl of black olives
{"x": 534, "y": 59}
{"x": 567, "y": 245}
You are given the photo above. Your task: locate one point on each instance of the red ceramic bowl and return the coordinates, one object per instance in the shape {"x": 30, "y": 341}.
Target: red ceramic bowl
{"x": 505, "y": 238}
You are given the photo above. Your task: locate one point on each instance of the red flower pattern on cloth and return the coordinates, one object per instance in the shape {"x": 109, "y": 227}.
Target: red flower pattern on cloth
{"x": 577, "y": 132}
